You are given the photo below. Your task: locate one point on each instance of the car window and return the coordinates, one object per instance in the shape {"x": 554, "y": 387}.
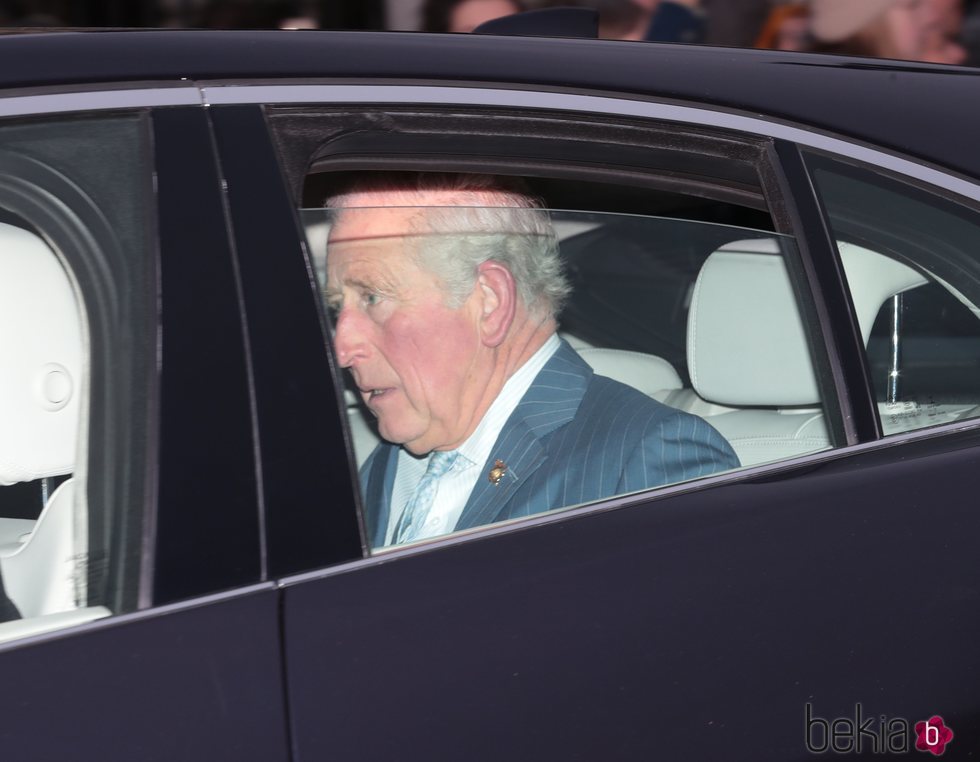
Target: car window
{"x": 680, "y": 353}
{"x": 910, "y": 258}
{"x": 71, "y": 241}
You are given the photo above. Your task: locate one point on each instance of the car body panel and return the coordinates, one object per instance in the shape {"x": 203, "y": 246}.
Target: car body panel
{"x": 288, "y": 348}
{"x": 199, "y": 680}
{"x": 697, "y": 626}
{"x": 205, "y": 414}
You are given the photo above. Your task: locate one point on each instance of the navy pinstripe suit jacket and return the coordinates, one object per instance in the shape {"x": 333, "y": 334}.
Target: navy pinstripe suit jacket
{"x": 573, "y": 438}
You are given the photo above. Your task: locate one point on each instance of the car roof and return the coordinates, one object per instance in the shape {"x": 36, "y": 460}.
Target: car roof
{"x": 923, "y": 110}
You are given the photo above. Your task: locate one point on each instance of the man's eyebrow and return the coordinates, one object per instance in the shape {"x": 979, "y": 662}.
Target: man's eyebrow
{"x": 355, "y": 282}
{"x": 361, "y": 284}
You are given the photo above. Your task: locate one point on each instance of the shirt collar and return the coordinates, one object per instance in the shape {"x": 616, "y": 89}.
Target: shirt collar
{"x": 476, "y": 449}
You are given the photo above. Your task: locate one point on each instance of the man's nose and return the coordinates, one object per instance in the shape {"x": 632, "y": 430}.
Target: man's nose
{"x": 349, "y": 339}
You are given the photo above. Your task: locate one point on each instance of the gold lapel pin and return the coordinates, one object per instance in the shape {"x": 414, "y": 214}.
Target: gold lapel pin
{"x": 497, "y": 472}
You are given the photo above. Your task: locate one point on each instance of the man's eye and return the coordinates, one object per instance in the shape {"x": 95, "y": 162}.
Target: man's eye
{"x": 371, "y": 299}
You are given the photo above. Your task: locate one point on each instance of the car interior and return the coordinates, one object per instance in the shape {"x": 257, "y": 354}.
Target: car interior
{"x": 43, "y": 372}
{"x": 743, "y": 360}
{"x": 700, "y": 310}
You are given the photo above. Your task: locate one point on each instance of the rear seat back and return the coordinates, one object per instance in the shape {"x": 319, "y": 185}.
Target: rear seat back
{"x": 650, "y": 374}
{"x": 748, "y": 349}
{"x": 40, "y": 401}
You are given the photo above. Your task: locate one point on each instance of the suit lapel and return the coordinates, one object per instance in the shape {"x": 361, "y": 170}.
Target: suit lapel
{"x": 377, "y": 493}
{"x": 519, "y": 448}
{"x": 550, "y": 402}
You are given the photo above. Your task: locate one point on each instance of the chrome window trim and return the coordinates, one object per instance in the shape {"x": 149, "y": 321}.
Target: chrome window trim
{"x": 220, "y": 94}
{"x": 188, "y": 93}
{"x": 100, "y": 100}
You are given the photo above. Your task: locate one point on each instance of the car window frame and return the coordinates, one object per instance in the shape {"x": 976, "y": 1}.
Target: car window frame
{"x": 916, "y": 190}
{"x": 788, "y": 192}
{"x": 763, "y": 163}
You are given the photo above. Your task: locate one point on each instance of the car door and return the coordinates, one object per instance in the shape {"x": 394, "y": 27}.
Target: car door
{"x": 760, "y": 613}
{"x": 138, "y": 620}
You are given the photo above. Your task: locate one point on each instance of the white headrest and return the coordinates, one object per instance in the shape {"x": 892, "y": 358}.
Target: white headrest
{"x": 648, "y": 373}
{"x": 873, "y": 278}
{"x": 745, "y": 339}
{"x": 40, "y": 360}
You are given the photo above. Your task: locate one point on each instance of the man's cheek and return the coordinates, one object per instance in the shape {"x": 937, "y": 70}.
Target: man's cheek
{"x": 399, "y": 422}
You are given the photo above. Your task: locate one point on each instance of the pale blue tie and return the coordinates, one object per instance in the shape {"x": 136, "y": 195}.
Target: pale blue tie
{"x": 417, "y": 511}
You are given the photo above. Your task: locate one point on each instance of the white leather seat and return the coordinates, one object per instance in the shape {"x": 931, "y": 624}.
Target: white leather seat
{"x": 652, "y": 375}
{"x": 747, "y": 347}
{"x": 41, "y": 376}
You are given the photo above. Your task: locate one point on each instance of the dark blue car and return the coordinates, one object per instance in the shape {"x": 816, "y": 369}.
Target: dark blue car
{"x": 785, "y": 245}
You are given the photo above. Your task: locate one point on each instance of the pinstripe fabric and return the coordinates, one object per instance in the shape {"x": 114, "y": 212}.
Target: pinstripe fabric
{"x": 574, "y": 437}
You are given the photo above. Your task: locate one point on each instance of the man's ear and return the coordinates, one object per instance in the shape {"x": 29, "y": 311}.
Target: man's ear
{"x": 498, "y": 301}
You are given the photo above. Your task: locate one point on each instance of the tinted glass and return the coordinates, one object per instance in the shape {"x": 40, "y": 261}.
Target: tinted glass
{"x": 678, "y": 352}
{"x": 911, "y": 262}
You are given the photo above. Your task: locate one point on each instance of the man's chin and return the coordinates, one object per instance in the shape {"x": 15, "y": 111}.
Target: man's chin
{"x": 405, "y": 440}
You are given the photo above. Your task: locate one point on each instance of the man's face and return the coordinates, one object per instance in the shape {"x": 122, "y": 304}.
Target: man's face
{"x": 418, "y": 363}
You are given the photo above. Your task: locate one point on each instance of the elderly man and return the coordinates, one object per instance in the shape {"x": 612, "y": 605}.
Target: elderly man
{"x": 445, "y": 291}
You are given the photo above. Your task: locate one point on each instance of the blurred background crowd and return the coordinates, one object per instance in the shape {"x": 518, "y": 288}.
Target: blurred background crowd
{"x": 939, "y": 31}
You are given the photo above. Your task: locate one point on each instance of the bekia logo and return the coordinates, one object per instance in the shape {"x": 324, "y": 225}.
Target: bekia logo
{"x": 877, "y": 735}
{"x": 932, "y": 735}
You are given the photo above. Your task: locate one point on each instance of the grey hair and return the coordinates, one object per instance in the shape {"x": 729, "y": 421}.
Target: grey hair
{"x": 484, "y": 217}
